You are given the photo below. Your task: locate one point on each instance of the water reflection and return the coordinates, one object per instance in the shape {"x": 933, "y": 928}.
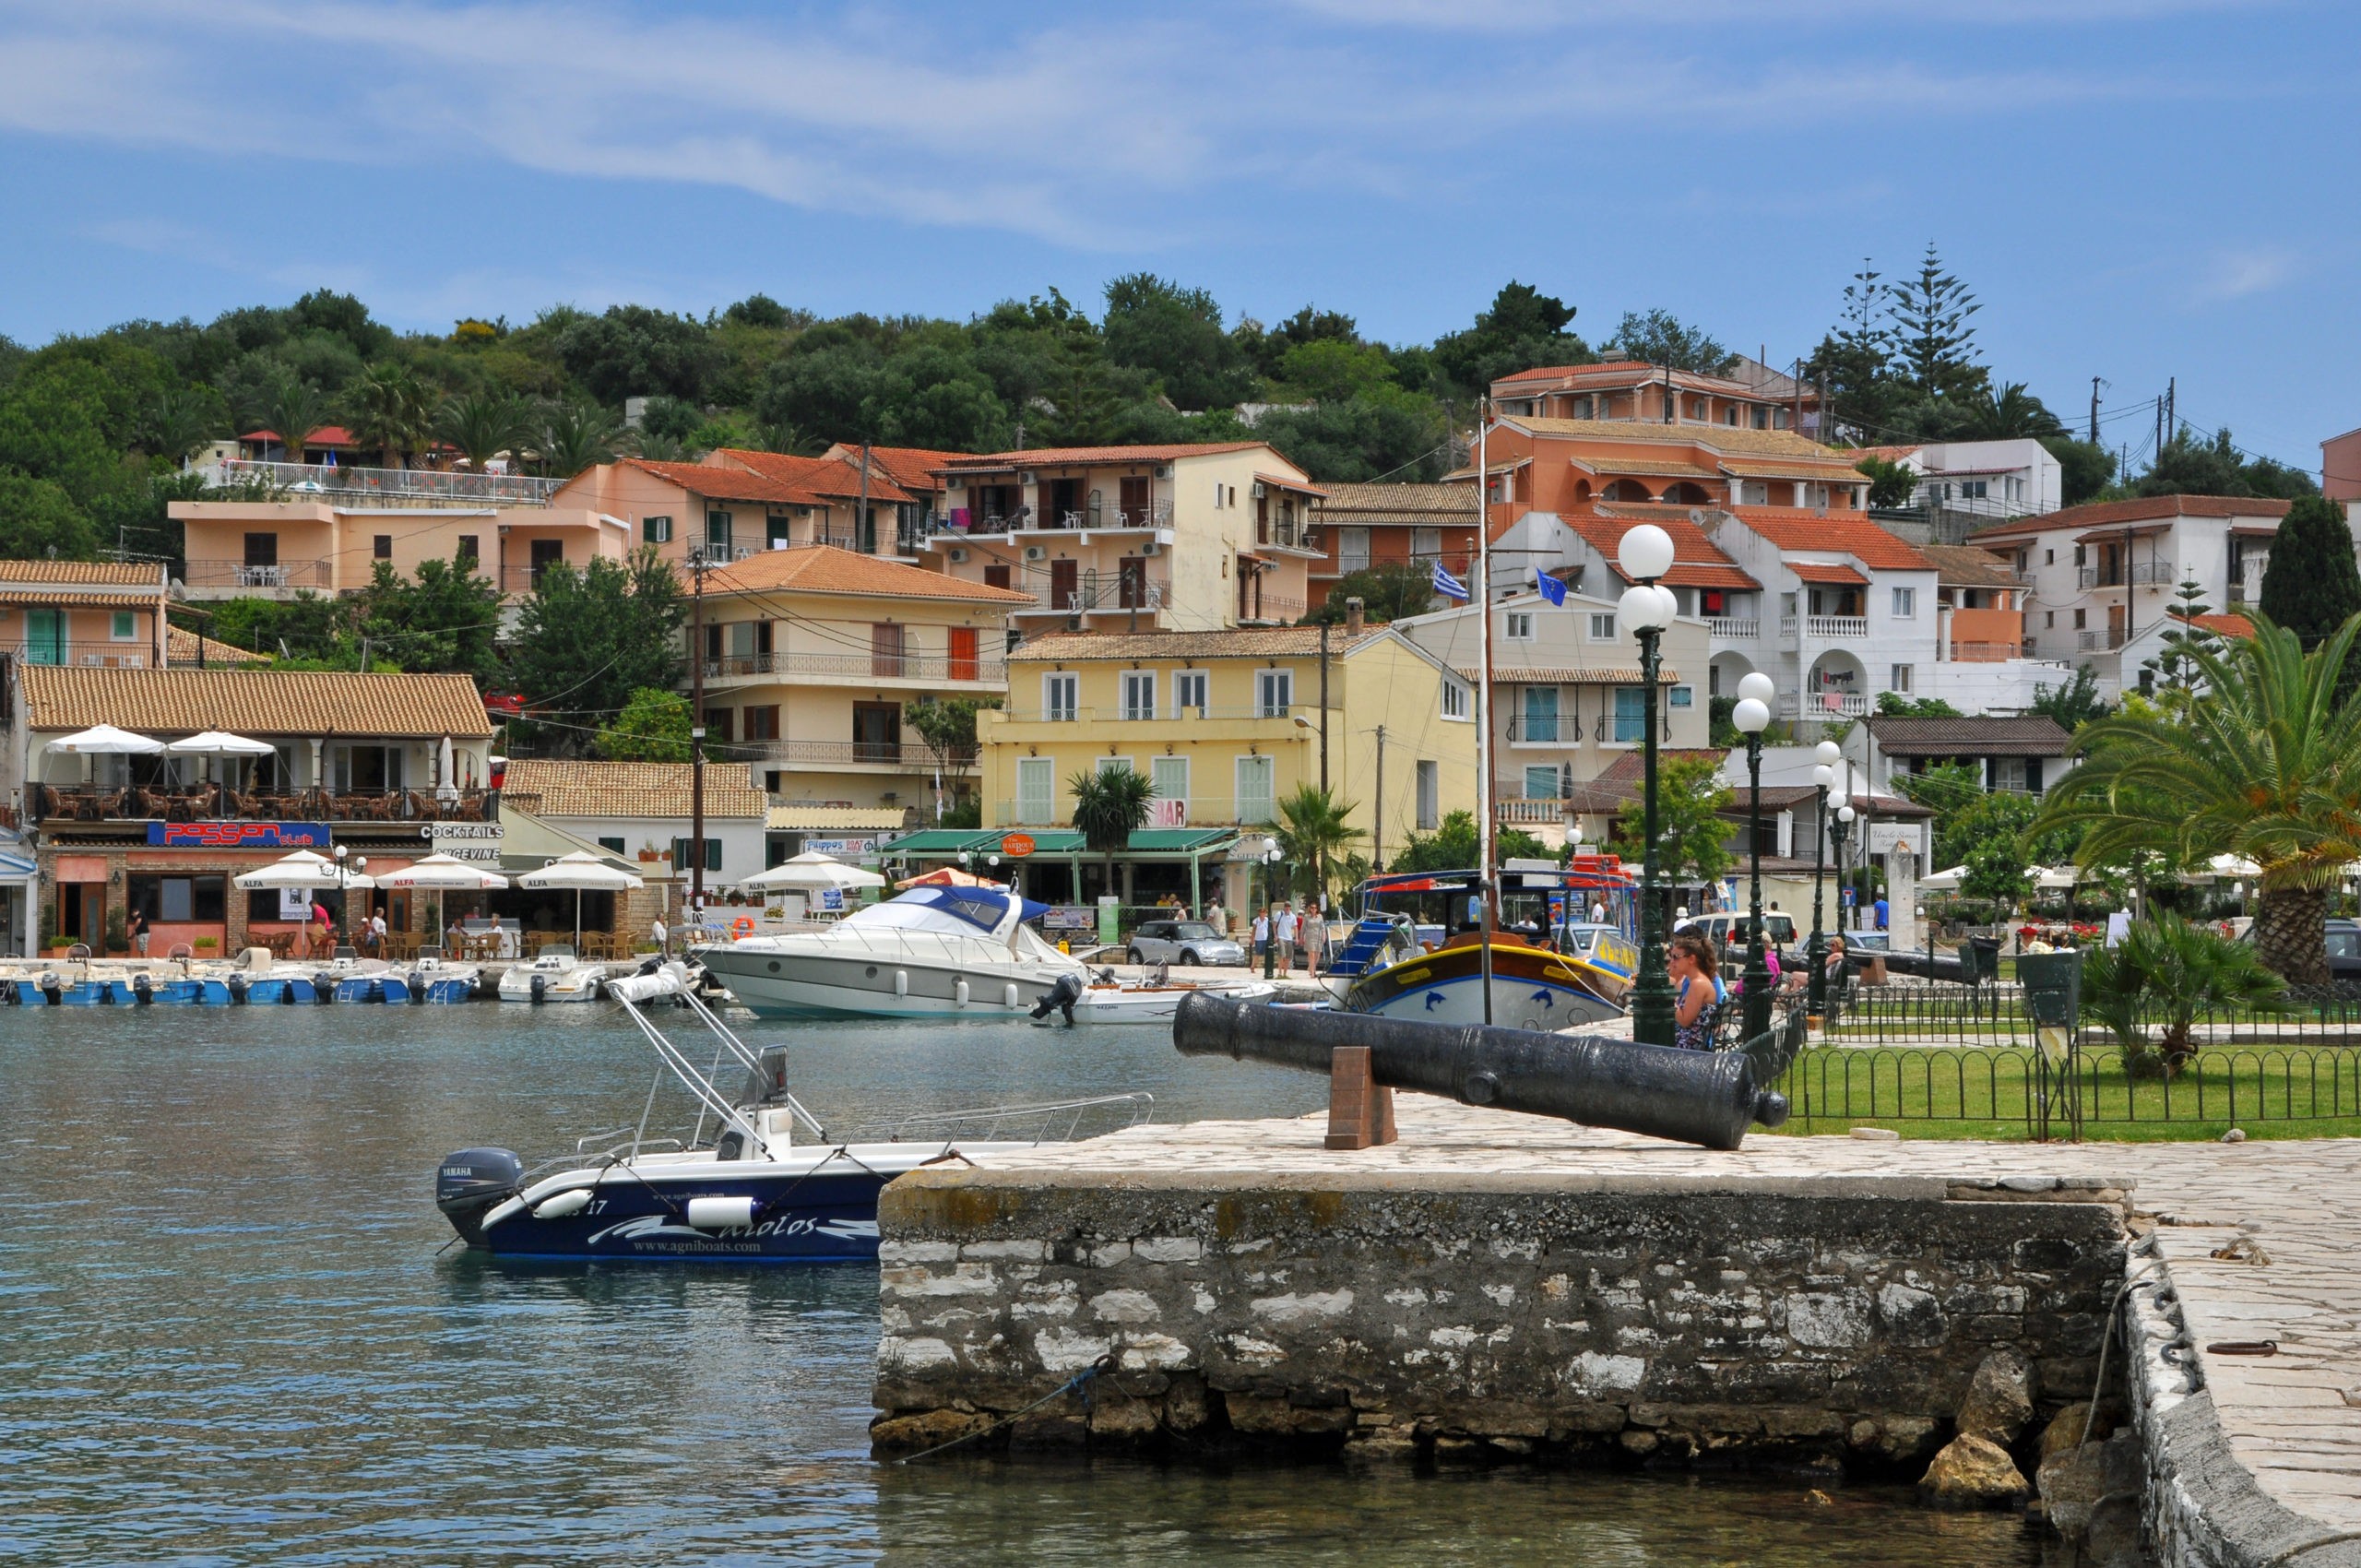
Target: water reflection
{"x": 227, "y": 1337}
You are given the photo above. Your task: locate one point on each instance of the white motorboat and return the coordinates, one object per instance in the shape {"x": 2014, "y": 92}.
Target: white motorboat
{"x": 439, "y": 980}
{"x": 1107, "y": 1001}
{"x": 928, "y": 953}
{"x": 554, "y": 974}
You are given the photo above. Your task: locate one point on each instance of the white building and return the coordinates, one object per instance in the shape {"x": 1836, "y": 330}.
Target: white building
{"x": 2103, "y": 577}
{"x": 637, "y": 810}
{"x": 1987, "y": 478}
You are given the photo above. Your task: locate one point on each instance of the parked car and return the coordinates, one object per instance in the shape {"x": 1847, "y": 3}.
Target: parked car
{"x": 1725, "y": 931}
{"x": 1182, "y": 942}
{"x": 2344, "y": 949}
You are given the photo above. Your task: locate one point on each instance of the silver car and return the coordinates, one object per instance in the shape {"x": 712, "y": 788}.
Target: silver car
{"x": 1181, "y": 942}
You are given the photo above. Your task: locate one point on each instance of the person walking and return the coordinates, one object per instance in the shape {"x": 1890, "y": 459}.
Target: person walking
{"x": 1287, "y": 926}
{"x": 1261, "y": 933}
{"x": 1315, "y": 939}
{"x": 139, "y": 932}
{"x": 663, "y": 937}
{"x": 320, "y": 918}
{"x": 1217, "y": 917}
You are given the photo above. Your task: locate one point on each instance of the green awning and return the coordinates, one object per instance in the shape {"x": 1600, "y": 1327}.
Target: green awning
{"x": 948, "y": 843}
{"x": 937, "y": 841}
{"x": 1179, "y": 840}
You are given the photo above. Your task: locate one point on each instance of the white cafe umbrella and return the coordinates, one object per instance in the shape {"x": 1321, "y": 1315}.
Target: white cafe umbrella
{"x": 440, "y": 873}
{"x": 580, "y": 871}
{"x": 105, "y": 740}
{"x": 2051, "y": 878}
{"x": 304, "y": 868}
{"x": 2233, "y": 868}
{"x": 1944, "y": 881}
{"x": 218, "y": 743}
{"x": 812, "y": 872}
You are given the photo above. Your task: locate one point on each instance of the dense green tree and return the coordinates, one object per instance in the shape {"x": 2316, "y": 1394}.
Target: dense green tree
{"x": 180, "y": 421}
{"x": 443, "y": 618}
{"x": 2195, "y": 465}
{"x": 586, "y": 640}
{"x": 653, "y": 727}
{"x": 947, "y": 727}
{"x": 1891, "y": 484}
{"x": 1659, "y": 337}
{"x": 1693, "y": 836}
{"x": 2084, "y": 468}
{"x": 387, "y": 407}
{"x": 1315, "y": 832}
{"x": 483, "y": 425}
{"x": 342, "y": 317}
{"x": 633, "y": 352}
{"x": 1385, "y": 434}
{"x": 576, "y": 434}
{"x": 1453, "y": 847}
{"x": 37, "y": 517}
{"x": 52, "y": 428}
{"x": 2072, "y": 705}
{"x": 1523, "y": 328}
{"x": 1934, "y": 342}
{"x": 1895, "y": 704}
{"x": 2311, "y": 587}
{"x": 1331, "y": 370}
{"x": 1388, "y": 592}
{"x": 1174, "y": 334}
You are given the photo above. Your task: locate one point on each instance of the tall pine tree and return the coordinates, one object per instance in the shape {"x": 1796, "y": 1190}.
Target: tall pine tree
{"x": 2312, "y": 586}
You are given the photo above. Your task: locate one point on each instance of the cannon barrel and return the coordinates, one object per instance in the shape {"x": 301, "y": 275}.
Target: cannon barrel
{"x": 1695, "y": 1097}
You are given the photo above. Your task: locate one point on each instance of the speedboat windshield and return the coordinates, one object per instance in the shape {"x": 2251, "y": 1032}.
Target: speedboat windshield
{"x": 956, "y": 911}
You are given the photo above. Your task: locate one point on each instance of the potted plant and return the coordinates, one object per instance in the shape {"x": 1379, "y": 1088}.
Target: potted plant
{"x": 207, "y": 944}
{"x": 649, "y": 854}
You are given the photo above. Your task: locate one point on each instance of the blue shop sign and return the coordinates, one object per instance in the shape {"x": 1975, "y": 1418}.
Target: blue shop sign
{"x": 238, "y": 835}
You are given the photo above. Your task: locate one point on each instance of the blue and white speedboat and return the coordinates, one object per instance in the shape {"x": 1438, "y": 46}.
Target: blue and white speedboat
{"x": 757, "y": 1180}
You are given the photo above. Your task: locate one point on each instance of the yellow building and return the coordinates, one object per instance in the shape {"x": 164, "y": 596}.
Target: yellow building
{"x": 1225, "y": 724}
{"x": 813, "y": 656}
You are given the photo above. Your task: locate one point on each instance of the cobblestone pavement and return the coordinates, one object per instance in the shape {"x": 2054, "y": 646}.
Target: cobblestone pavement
{"x": 2293, "y": 1419}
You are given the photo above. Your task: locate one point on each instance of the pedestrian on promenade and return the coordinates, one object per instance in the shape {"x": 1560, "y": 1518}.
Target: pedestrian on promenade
{"x": 139, "y": 932}
{"x": 1315, "y": 939}
{"x": 1288, "y": 923}
{"x": 1261, "y": 932}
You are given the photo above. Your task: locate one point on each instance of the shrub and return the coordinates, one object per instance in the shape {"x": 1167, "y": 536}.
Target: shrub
{"x": 2168, "y": 971}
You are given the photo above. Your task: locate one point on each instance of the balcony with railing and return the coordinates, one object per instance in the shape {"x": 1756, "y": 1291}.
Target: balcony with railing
{"x": 410, "y": 486}
{"x": 1097, "y": 514}
{"x": 259, "y": 576}
{"x": 1195, "y": 810}
{"x": 1823, "y": 705}
{"x": 902, "y": 757}
{"x": 2094, "y": 641}
{"x": 1822, "y": 628}
{"x": 1099, "y": 593}
{"x": 932, "y": 668}
{"x": 85, "y": 655}
{"x": 210, "y": 803}
{"x": 2135, "y": 574}
{"x": 1621, "y": 726}
{"x": 1731, "y": 628}
{"x": 1270, "y": 713}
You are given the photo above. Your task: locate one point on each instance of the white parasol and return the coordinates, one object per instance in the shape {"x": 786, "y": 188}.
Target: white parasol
{"x": 218, "y": 743}
{"x": 1944, "y": 881}
{"x": 439, "y": 874}
{"x": 304, "y": 868}
{"x": 812, "y": 872}
{"x": 581, "y": 872}
{"x": 105, "y": 740}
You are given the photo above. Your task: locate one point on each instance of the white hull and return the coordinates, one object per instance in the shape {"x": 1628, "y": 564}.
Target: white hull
{"x": 1111, "y": 1004}
{"x": 814, "y": 990}
{"x": 581, "y": 985}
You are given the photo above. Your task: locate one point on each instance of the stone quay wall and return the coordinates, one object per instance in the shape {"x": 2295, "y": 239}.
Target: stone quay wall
{"x": 1834, "y": 1320}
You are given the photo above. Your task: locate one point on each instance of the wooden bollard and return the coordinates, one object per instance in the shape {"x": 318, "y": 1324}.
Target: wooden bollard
{"x": 1360, "y": 1110}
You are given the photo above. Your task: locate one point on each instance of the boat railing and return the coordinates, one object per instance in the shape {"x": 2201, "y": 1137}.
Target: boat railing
{"x": 1048, "y": 1121}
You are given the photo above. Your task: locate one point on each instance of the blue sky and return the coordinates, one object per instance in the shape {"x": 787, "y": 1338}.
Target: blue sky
{"x": 2136, "y": 189}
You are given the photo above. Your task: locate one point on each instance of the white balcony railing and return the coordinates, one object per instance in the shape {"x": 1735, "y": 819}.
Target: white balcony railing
{"x": 1730, "y": 628}
{"x": 390, "y": 484}
{"x": 1826, "y": 628}
{"x": 1825, "y": 705}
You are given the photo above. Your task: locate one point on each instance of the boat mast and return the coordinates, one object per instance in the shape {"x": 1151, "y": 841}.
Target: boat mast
{"x": 1487, "y": 884}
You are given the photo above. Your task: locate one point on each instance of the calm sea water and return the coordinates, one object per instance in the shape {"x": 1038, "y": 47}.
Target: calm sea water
{"x": 227, "y": 1335}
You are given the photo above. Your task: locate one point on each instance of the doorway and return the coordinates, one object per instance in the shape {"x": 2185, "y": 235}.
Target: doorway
{"x": 876, "y": 732}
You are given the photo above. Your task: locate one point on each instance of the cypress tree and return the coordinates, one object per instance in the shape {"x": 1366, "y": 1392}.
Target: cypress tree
{"x": 2312, "y": 586}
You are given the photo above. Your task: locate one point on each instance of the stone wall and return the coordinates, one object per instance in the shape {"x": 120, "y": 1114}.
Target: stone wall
{"x": 1824, "y": 1319}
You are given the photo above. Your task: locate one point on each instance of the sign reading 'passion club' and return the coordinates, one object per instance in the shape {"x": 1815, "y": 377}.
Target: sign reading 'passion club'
{"x": 238, "y": 835}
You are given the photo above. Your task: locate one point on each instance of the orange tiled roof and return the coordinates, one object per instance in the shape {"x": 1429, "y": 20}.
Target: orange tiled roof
{"x": 1824, "y": 572}
{"x": 815, "y": 481}
{"x": 2226, "y": 625}
{"x": 184, "y": 647}
{"x": 1697, "y": 561}
{"x": 823, "y": 568}
{"x": 912, "y": 468}
{"x": 253, "y": 702}
{"x": 1858, "y": 537}
{"x": 2139, "y": 510}
{"x": 1055, "y": 456}
{"x": 626, "y": 788}
{"x": 80, "y": 573}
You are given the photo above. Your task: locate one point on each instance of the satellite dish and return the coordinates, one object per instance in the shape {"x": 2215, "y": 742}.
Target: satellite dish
{"x": 1697, "y": 515}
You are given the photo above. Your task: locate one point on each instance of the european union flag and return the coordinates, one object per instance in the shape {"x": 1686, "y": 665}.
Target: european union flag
{"x": 1552, "y": 589}
{"x": 1447, "y": 584}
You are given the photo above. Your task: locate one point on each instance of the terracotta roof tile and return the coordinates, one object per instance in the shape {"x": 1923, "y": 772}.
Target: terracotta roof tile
{"x": 717, "y": 483}
{"x": 627, "y": 789}
{"x": 1246, "y": 642}
{"x": 1422, "y": 505}
{"x": 823, "y": 568}
{"x": 1055, "y": 456}
{"x": 1697, "y": 561}
{"x": 261, "y": 703}
{"x": 1967, "y": 565}
{"x": 817, "y": 478}
{"x": 181, "y": 646}
{"x": 2138, "y": 510}
{"x": 326, "y": 435}
{"x": 1824, "y": 572}
{"x": 2030, "y": 736}
{"x": 2224, "y": 624}
{"x": 1856, "y": 537}
{"x": 79, "y": 573}
{"x": 912, "y": 468}
{"x": 72, "y": 597}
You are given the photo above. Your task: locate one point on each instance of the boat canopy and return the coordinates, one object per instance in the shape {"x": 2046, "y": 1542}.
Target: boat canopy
{"x": 958, "y": 911}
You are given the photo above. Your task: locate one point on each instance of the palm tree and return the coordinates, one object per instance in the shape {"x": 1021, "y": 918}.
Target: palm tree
{"x": 2011, "y": 412}
{"x": 391, "y": 409}
{"x": 2265, "y": 765}
{"x": 291, "y": 409}
{"x": 1315, "y": 829}
{"x": 1109, "y": 805}
{"x": 575, "y": 436}
{"x": 484, "y": 424}
{"x": 177, "y": 423}
{"x": 2168, "y": 971}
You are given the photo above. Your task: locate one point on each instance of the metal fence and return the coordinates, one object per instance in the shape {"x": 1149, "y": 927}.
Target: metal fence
{"x": 1972, "y": 1055}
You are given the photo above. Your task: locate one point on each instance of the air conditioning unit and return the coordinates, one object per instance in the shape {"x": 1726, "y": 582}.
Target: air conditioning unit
{"x": 958, "y": 556}
{"x": 1258, "y": 490}
{"x": 1150, "y": 548}
{"x": 1025, "y": 476}
{"x": 1164, "y": 470}
{"x": 1036, "y": 552}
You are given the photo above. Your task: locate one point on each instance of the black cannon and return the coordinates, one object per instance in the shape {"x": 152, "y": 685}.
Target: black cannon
{"x": 1978, "y": 963}
{"x": 1695, "y": 1097}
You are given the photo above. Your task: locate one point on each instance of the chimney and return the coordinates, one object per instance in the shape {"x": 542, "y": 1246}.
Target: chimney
{"x": 1352, "y": 617}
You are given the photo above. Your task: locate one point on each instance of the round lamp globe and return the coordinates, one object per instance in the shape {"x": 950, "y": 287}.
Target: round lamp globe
{"x": 1759, "y": 686}
{"x": 1645, "y": 553}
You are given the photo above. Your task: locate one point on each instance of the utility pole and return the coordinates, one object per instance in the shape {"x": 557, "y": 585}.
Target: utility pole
{"x": 2172, "y": 405}
{"x": 696, "y": 735}
{"x": 1377, "y": 822}
{"x": 2095, "y": 410}
{"x": 1323, "y": 708}
{"x": 860, "y": 519}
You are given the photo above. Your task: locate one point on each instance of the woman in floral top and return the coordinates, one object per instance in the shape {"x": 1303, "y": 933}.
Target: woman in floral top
{"x": 1697, "y": 992}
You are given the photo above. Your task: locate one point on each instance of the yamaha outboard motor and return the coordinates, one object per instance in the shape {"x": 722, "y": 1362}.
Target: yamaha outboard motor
{"x": 1061, "y": 997}
{"x": 143, "y": 989}
{"x": 540, "y": 988}
{"x": 323, "y": 988}
{"x": 469, "y": 1184}
{"x": 237, "y": 985}
{"x": 52, "y": 989}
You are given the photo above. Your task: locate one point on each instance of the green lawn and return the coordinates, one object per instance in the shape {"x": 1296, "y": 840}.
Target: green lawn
{"x": 2271, "y": 1092}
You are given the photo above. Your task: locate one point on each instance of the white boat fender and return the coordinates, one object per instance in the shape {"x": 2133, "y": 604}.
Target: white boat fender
{"x": 560, "y": 1206}
{"x": 721, "y": 1213}
{"x": 960, "y": 992}
{"x": 901, "y": 982}
{"x": 1008, "y": 996}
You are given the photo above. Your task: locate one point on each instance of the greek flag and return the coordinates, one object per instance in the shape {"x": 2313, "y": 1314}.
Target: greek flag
{"x": 1552, "y": 589}
{"x": 1447, "y": 584}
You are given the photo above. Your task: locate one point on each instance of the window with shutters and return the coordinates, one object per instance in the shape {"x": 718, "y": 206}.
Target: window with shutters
{"x": 717, "y": 533}
{"x": 1540, "y": 716}
{"x": 1352, "y": 550}
{"x": 1274, "y": 693}
{"x": 1037, "y": 789}
{"x": 1062, "y": 697}
{"x": 1168, "y": 776}
{"x": 656, "y": 531}
{"x": 1430, "y": 796}
{"x": 1631, "y": 714}
{"x": 1139, "y": 694}
{"x": 1257, "y": 789}
{"x": 1541, "y": 783}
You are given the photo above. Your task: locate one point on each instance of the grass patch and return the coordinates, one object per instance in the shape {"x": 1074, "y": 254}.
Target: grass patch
{"x": 2270, "y": 1091}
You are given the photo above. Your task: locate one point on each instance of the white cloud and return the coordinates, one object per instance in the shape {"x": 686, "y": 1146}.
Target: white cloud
{"x": 2236, "y": 274}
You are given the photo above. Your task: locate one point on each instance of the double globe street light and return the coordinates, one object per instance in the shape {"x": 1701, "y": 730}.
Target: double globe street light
{"x": 1645, "y": 609}
{"x": 1752, "y": 716}
{"x": 1823, "y": 776}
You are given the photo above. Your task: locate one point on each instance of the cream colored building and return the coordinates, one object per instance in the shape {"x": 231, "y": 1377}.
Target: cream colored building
{"x": 1168, "y": 538}
{"x": 813, "y": 656}
{"x": 1225, "y": 724}
{"x": 1567, "y": 699}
